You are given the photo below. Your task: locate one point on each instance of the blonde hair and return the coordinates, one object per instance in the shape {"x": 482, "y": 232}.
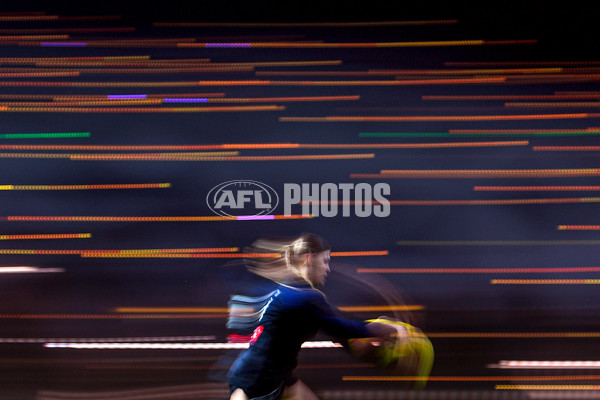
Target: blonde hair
{"x": 289, "y": 267}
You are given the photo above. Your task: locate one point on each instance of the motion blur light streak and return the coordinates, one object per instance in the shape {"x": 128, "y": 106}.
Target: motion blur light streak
{"x": 504, "y": 364}
{"x": 578, "y": 227}
{"x": 44, "y": 135}
{"x": 345, "y": 44}
{"x": 533, "y": 188}
{"x": 107, "y": 339}
{"x": 29, "y": 270}
{"x": 167, "y": 157}
{"x": 177, "y": 346}
{"x": 534, "y": 132}
{"x": 515, "y": 335}
{"x": 137, "y": 218}
{"x": 225, "y": 310}
{"x": 573, "y": 96}
{"x": 490, "y": 270}
{"x": 88, "y": 187}
{"x": 472, "y": 378}
{"x": 47, "y": 236}
{"x": 112, "y": 316}
{"x": 139, "y": 109}
{"x": 548, "y": 387}
{"x": 488, "y": 173}
{"x": 359, "y": 253}
{"x": 300, "y": 24}
{"x": 565, "y": 148}
{"x": 545, "y": 281}
{"x": 498, "y": 242}
{"x": 492, "y": 202}
{"x": 433, "y": 118}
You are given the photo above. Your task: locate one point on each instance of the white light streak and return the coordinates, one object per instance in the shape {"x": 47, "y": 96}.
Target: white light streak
{"x": 29, "y": 270}
{"x": 513, "y": 364}
{"x": 174, "y": 346}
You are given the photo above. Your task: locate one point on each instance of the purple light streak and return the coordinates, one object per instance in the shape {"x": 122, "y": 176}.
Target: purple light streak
{"x": 254, "y": 217}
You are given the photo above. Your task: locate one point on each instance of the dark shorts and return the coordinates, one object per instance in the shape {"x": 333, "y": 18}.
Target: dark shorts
{"x": 268, "y": 394}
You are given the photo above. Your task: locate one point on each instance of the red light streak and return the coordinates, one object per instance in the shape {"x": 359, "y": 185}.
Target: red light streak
{"x": 545, "y": 282}
{"x": 471, "y": 378}
{"x": 522, "y": 131}
{"x": 566, "y": 148}
{"x": 510, "y": 97}
{"x": 578, "y": 227}
{"x": 519, "y": 270}
{"x": 39, "y": 218}
{"x": 533, "y": 188}
{"x": 298, "y": 24}
{"x": 499, "y": 173}
{"x": 433, "y": 118}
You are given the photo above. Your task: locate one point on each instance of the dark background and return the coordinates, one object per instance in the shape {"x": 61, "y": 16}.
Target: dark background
{"x": 80, "y": 303}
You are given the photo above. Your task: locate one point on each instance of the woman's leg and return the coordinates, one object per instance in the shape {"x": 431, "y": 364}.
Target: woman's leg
{"x": 298, "y": 391}
{"x": 238, "y": 394}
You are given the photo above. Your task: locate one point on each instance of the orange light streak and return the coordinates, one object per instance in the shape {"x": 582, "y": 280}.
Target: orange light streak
{"x": 439, "y": 43}
{"x": 34, "y": 37}
{"x": 191, "y": 62}
{"x": 68, "y": 30}
{"x": 566, "y": 148}
{"x": 545, "y": 282}
{"x": 178, "y": 255}
{"x": 533, "y": 188}
{"x": 433, "y": 118}
{"x": 110, "y": 316}
{"x": 521, "y": 270}
{"x": 141, "y": 109}
{"x": 169, "y": 310}
{"x": 523, "y": 131}
{"x": 552, "y": 104}
{"x": 511, "y": 97}
{"x": 510, "y": 335}
{"x": 226, "y": 310}
{"x": 259, "y": 146}
{"x": 412, "y": 307}
{"x": 471, "y": 378}
{"x": 359, "y": 253}
{"x": 407, "y": 72}
{"x": 30, "y": 60}
{"x": 578, "y": 227}
{"x": 488, "y": 173}
{"x": 105, "y": 97}
{"x": 298, "y": 24}
{"x": 498, "y": 242}
{"x": 38, "y": 74}
{"x": 47, "y": 236}
{"x": 108, "y": 254}
{"x": 515, "y": 63}
{"x": 493, "y": 202}
{"x": 211, "y": 156}
{"x": 127, "y": 69}
{"x": 39, "y": 218}
{"x": 254, "y": 83}
{"x": 87, "y": 187}
{"x": 104, "y": 102}
{"x": 123, "y": 253}
{"x": 167, "y": 157}
{"x": 472, "y": 202}
{"x": 548, "y": 387}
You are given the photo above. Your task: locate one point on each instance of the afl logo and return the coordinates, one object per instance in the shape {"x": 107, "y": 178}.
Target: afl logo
{"x": 236, "y": 198}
